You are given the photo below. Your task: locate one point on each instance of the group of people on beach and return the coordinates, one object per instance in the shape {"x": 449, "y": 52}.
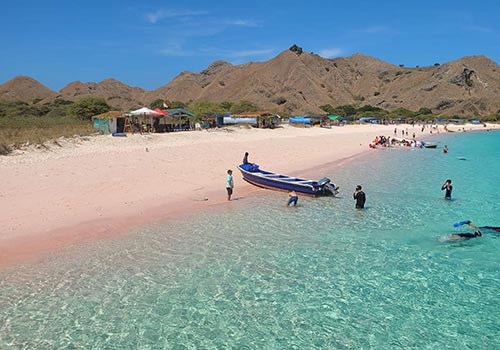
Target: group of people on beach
{"x": 360, "y": 199}
{"x": 230, "y": 180}
{"x": 358, "y": 195}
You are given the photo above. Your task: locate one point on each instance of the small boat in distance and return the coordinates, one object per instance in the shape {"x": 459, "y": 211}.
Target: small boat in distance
{"x": 428, "y": 144}
{"x": 273, "y": 181}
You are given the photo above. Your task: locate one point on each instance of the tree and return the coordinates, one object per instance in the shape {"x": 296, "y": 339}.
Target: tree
{"x": 88, "y": 106}
{"x": 205, "y": 108}
{"x": 402, "y": 113}
{"x": 157, "y": 103}
{"x": 175, "y": 104}
{"x": 369, "y": 108}
{"x": 327, "y": 108}
{"x": 297, "y": 49}
{"x": 226, "y": 106}
{"x": 19, "y": 109}
{"x": 345, "y": 110}
{"x": 243, "y": 106}
{"x": 424, "y": 111}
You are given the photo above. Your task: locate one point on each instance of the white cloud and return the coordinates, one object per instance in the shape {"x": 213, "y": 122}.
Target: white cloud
{"x": 241, "y": 22}
{"x": 372, "y": 30}
{"x": 176, "y": 49}
{"x": 249, "y": 53}
{"x": 330, "y": 53}
{"x": 159, "y": 15}
{"x": 478, "y": 29}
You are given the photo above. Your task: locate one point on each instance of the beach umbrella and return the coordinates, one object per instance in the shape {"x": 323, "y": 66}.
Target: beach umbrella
{"x": 144, "y": 111}
{"x": 161, "y": 112}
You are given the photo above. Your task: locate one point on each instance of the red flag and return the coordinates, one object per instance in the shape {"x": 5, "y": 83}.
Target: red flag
{"x": 165, "y": 104}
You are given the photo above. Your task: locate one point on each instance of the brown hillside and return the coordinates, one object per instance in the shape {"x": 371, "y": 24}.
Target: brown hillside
{"x": 24, "y": 89}
{"x": 116, "y": 93}
{"x": 297, "y": 84}
{"x": 301, "y": 83}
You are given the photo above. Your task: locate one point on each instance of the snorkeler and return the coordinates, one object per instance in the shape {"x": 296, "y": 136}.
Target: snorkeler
{"x": 465, "y": 235}
{"x": 490, "y": 228}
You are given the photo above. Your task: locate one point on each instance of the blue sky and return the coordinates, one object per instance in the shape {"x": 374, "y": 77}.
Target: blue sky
{"x": 147, "y": 43}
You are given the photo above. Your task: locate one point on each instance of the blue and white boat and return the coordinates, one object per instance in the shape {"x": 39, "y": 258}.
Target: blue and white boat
{"x": 273, "y": 181}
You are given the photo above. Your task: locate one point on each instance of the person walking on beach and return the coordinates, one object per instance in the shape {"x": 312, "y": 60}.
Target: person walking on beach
{"x": 360, "y": 197}
{"x": 448, "y": 187}
{"x": 229, "y": 184}
{"x": 292, "y": 198}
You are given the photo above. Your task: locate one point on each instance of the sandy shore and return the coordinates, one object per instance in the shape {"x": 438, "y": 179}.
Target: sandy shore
{"x": 107, "y": 185}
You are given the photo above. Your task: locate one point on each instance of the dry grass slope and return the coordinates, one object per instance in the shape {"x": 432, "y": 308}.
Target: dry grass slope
{"x": 297, "y": 84}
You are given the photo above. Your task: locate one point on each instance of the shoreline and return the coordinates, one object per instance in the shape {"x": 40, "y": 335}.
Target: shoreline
{"x": 105, "y": 188}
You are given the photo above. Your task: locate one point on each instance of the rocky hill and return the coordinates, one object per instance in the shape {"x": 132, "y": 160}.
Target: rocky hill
{"x": 116, "y": 93}
{"x": 25, "y": 89}
{"x": 297, "y": 83}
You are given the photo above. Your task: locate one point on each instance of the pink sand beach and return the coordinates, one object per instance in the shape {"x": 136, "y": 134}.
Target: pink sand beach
{"x": 105, "y": 186}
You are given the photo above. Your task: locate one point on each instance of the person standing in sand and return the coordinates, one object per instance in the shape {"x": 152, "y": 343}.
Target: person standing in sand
{"x": 229, "y": 184}
{"x": 360, "y": 197}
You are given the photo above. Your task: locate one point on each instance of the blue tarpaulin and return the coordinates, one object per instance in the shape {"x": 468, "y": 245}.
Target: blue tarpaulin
{"x": 300, "y": 120}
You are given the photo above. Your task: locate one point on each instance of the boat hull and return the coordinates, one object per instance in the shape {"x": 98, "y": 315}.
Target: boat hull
{"x": 284, "y": 183}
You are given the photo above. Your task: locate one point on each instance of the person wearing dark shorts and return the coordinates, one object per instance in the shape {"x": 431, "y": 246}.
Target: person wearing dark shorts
{"x": 448, "y": 187}
{"x": 360, "y": 197}
{"x": 229, "y": 184}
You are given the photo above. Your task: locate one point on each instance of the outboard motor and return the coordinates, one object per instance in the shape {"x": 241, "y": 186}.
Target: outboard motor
{"x": 327, "y": 187}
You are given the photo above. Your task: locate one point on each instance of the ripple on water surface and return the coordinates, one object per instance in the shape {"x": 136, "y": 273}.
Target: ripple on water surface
{"x": 257, "y": 275}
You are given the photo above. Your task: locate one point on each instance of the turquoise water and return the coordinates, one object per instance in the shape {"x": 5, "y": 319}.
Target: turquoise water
{"x": 256, "y": 275}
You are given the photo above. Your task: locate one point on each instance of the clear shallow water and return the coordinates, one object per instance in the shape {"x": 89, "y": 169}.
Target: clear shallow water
{"x": 257, "y": 275}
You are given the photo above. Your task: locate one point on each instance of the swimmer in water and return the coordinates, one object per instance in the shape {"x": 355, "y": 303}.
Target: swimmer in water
{"x": 490, "y": 228}
{"x": 465, "y": 235}
{"x": 448, "y": 187}
{"x": 292, "y": 198}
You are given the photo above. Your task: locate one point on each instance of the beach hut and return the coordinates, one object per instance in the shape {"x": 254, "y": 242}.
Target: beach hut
{"x": 261, "y": 119}
{"x": 179, "y": 119}
{"x": 328, "y": 121}
{"x": 141, "y": 119}
{"x": 109, "y": 122}
{"x": 213, "y": 120}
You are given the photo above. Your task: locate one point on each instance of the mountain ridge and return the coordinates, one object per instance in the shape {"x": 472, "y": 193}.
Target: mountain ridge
{"x": 299, "y": 83}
